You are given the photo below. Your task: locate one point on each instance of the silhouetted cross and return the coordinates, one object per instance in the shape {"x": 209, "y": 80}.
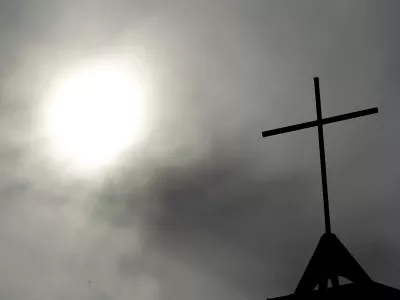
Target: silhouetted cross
{"x": 319, "y": 123}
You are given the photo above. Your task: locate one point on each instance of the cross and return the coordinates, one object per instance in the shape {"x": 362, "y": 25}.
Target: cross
{"x": 319, "y": 123}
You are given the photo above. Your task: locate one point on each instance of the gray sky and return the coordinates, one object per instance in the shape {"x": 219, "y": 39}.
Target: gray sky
{"x": 205, "y": 208}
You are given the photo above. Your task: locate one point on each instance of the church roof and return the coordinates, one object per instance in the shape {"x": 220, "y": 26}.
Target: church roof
{"x": 372, "y": 290}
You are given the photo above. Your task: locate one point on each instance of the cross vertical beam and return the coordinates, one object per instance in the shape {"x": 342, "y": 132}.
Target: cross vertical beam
{"x": 322, "y": 156}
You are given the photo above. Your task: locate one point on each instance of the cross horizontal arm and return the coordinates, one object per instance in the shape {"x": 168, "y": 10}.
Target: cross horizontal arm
{"x": 352, "y": 115}
{"x": 305, "y": 125}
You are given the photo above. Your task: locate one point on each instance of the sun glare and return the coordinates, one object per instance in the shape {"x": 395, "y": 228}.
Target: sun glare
{"x": 94, "y": 113}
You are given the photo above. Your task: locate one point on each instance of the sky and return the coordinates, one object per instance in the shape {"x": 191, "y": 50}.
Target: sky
{"x": 204, "y": 207}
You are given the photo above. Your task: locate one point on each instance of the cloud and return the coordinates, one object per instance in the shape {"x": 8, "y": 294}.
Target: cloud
{"x": 206, "y": 208}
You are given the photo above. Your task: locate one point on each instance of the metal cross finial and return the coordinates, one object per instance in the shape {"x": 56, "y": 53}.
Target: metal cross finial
{"x": 319, "y": 123}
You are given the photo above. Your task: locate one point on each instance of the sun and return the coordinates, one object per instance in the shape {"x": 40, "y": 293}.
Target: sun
{"x": 94, "y": 112}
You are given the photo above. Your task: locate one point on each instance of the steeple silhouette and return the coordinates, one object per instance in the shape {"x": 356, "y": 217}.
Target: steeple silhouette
{"x": 331, "y": 259}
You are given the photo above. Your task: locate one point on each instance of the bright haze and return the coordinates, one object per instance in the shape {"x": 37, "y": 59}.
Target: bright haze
{"x": 132, "y": 162}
